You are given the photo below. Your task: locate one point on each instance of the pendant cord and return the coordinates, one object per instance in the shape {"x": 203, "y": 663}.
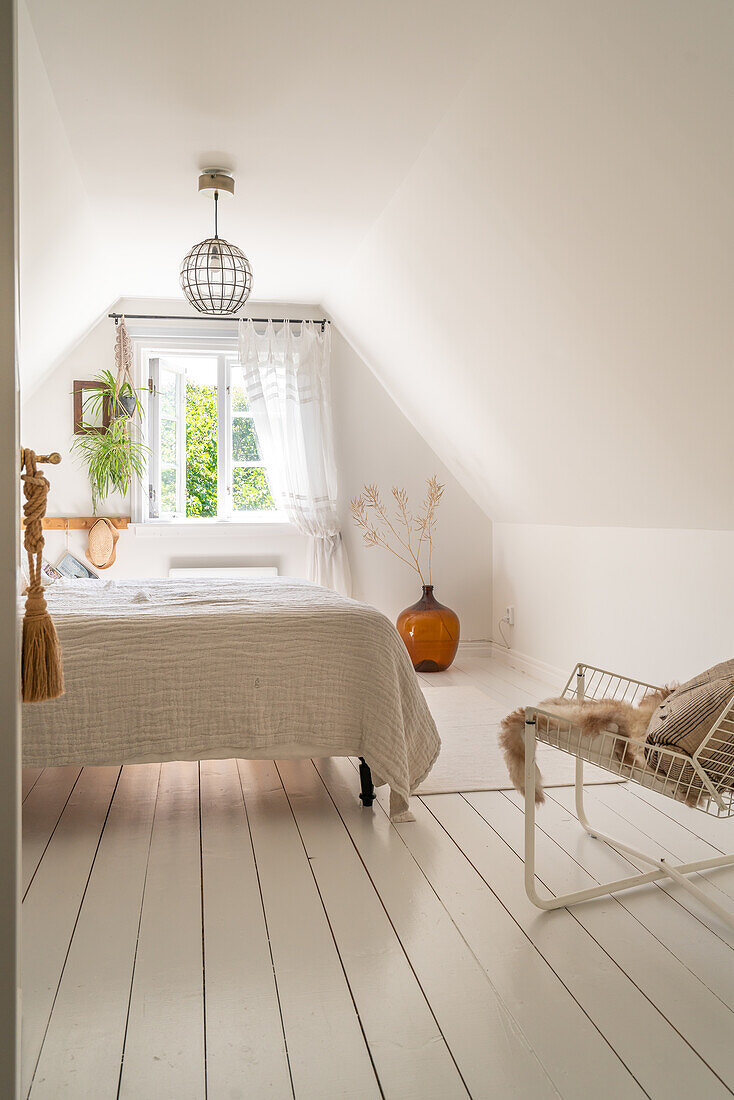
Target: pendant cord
{"x": 216, "y": 207}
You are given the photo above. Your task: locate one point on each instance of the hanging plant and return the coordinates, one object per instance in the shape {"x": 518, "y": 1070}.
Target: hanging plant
{"x": 116, "y": 454}
{"x": 119, "y": 399}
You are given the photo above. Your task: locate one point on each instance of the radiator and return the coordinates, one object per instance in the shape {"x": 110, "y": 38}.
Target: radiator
{"x": 226, "y": 571}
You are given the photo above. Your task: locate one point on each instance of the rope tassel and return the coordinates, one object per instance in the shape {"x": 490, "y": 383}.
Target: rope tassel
{"x": 42, "y": 672}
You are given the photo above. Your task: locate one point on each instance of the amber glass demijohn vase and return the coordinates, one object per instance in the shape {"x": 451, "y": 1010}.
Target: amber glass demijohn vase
{"x": 430, "y": 632}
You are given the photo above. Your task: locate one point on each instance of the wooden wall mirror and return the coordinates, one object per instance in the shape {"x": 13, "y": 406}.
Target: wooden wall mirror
{"x": 82, "y": 427}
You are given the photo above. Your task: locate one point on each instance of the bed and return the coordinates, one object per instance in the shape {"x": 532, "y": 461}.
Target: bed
{"x": 272, "y": 668}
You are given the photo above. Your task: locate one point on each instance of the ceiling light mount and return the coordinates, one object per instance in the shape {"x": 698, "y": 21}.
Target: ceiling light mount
{"x": 216, "y": 276}
{"x": 216, "y": 179}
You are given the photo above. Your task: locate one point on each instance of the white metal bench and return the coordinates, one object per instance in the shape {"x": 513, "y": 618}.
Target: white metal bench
{"x": 674, "y": 774}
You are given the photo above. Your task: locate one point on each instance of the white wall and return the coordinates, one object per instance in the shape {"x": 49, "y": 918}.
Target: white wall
{"x": 374, "y": 442}
{"x": 657, "y": 604}
{"x": 558, "y": 267}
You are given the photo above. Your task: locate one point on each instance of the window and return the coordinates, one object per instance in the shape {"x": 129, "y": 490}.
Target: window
{"x": 205, "y": 460}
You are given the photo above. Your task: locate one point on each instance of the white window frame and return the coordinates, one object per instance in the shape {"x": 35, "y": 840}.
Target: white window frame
{"x": 226, "y": 450}
{"x": 148, "y": 351}
{"x": 156, "y": 465}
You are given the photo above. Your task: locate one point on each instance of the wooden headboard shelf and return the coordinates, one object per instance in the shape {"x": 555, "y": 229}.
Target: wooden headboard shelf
{"x": 81, "y": 523}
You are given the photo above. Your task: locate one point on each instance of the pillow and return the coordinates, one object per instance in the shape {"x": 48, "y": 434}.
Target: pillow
{"x": 682, "y": 723}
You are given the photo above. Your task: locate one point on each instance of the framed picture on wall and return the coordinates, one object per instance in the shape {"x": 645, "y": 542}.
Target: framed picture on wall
{"x": 69, "y": 566}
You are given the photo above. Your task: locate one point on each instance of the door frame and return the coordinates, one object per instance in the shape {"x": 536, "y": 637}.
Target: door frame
{"x": 9, "y": 543}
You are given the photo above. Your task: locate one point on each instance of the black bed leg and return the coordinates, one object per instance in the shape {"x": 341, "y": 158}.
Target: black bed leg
{"x": 367, "y": 793}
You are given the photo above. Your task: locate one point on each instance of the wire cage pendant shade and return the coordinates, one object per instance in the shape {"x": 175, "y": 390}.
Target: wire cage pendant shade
{"x": 216, "y": 276}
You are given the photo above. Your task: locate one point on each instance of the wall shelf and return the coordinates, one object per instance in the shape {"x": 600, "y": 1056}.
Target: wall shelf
{"x": 81, "y": 523}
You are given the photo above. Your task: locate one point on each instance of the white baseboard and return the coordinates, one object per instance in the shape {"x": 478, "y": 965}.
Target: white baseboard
{"x": 529, "y": 665}
{"x": 479, "y": 648}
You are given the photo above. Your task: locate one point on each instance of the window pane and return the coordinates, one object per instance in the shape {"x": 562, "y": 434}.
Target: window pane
{"x": 168, "y": 490}
{"x": 167, "y": 392}
{"x": 168, "y": 441}
{"x": 250, "y": 489}
{"x": 244, "y": 440}
{"x": 237, "y": 391}
{"x": 201, "y": 445}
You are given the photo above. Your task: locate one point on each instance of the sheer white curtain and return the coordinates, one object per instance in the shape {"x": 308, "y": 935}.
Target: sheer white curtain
{"x": 286, "y": 376}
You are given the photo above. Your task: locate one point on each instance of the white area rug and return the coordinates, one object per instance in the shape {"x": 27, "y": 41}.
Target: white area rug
{"x": 471, "y": 760}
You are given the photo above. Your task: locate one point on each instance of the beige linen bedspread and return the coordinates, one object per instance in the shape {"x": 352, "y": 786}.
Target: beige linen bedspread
{"x": 263, "y": 669}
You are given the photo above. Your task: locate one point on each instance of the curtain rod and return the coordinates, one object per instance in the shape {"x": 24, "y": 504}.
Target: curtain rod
{"x": 258, "y": 320}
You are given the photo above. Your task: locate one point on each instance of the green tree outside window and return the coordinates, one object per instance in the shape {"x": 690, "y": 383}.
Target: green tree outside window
{"x": 250, "y": 488}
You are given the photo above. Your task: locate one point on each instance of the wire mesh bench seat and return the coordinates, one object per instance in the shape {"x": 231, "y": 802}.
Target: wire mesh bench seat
{"x": 704, "y": 780}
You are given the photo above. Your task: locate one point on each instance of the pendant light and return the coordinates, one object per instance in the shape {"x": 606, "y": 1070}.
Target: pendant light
{"x": 216, "y": 276}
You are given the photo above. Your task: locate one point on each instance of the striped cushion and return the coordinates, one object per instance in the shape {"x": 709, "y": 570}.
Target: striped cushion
{"x": 683, "y": 721}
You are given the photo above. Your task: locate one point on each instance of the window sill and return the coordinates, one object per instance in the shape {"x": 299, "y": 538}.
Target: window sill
{"x": 212, "y": 528}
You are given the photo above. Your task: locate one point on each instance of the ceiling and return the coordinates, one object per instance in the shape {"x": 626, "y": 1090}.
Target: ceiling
{"x": 519, "y": 213}
{"x": 320, "y": 107}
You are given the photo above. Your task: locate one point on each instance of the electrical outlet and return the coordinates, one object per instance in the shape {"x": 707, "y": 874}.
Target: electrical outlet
{"x": 510, "y": 615}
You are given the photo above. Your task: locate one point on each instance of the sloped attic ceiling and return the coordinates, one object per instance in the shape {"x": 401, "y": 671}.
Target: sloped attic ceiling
{"x": 548, "y": 295}
{"x": 520, "y": 214}
{"x": 319, "y": 106}
{"x": 66, "y": 280}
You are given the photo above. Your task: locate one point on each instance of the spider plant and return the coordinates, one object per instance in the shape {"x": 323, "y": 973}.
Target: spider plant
{"x": 115, "y": 454}
{"x": 120, "y": 398}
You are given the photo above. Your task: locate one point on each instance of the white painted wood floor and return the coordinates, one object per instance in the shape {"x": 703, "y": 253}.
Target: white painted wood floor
{"x": 237, "y": 929}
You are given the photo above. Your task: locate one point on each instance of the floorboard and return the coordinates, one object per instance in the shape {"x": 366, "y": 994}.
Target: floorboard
{"x": 700, "y": 950}
{"x": 517, "y": 684}
{"x": 490, "y": 1049}
{"x": 488, "y": 677}
{"x": 51, "y": 906}
{"x": 245, "y": 1042}
{"x": 28, "y": 781}
{"x": 235, "y": 930}
{"x": 657, "y": 832}
{"x": 164, "y": 1045}
{"x": 326, "y": 1047}
{"x": 572, "y": 1050}
{"x": 718, "y": 832}
{"x": 681, "y": 998}
{"x": 640, "y": 1036}
{"x": 81, "y": 1053}
{"x": 42, "y": 810}
{"x": 410, "y": 1055}
{"x": 614, "y": 824}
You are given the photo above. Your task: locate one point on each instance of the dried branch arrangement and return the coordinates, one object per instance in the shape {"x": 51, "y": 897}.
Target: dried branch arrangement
{"x": 407, "y": 535}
